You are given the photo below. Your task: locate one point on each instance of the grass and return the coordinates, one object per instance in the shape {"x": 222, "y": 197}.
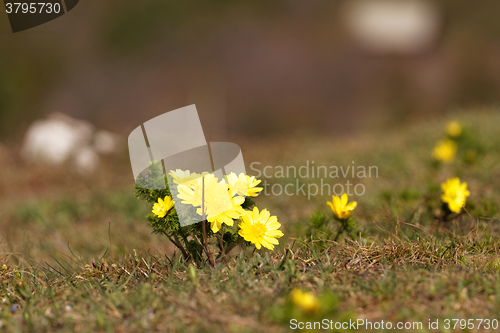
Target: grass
{"x": 79, "y": 256}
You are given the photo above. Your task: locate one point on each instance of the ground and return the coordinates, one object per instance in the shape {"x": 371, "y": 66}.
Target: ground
{"x": 80, "y": 257}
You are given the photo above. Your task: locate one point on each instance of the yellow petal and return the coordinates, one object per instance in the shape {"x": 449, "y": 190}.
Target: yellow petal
{"x": 271, "y": 240}
{"x": 274, "y": 233}
{"x": 264, "y": 215}
{"x": 215, "y": 226}
{"x": 351, "y": 205}
{"x": 344, "y": 200}
{"x": 255, "y": 214}
{"x": 273, "y": 226}
{"x": 336, "y": 206}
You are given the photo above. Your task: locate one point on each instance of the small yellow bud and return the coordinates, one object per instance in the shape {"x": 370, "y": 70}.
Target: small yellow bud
{"x": 454, "y": 129}
{"x": 306, "y": 301}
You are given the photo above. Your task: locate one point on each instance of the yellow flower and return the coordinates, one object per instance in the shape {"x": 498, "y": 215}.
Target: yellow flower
{"x": 340, "y": 207}
{"x": 181, "y": 177}
{"x": 233, "y": 211}
{"x": 306, "y": 301}
{"x": 454, "y": 129}
{"x": 455, "y": 194}
{"x": 445, "y": 151}
{"x": 191, "y": 192}
{"x": 162, "y": 207}
{"x": 219, "y": 206}
{"x": 260, "y": 228}
{"x": 244, "y": 185}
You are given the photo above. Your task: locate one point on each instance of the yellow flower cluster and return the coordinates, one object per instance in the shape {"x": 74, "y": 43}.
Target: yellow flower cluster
{"x": 219, "y": 202}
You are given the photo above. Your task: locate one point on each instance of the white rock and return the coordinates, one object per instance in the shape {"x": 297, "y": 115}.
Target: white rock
{"x": 54, "y": 140}
{"x": 393, "y": 26}
{"x": 60, "y": 138}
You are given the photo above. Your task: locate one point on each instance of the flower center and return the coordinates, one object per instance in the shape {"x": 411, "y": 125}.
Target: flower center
{"x": 258, "y": 230}
{"x": 453, "y": 196}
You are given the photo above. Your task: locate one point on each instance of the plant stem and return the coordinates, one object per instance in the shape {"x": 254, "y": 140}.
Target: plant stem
{"x": 341, "y": 229}
{"x": 445, "y": 213}
{"x": 203, "y": 226}
{"x": 221, "y": 243}
{"x": 201, "y": 244}
{"x": 179, "y": 246}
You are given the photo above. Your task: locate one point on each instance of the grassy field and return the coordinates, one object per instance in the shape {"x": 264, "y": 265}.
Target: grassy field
{"x": 80, "y": 257}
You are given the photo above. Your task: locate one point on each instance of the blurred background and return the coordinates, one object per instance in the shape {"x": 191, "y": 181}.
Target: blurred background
{"x": 275, "y": 77}
{"x": 254, "y": 69}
